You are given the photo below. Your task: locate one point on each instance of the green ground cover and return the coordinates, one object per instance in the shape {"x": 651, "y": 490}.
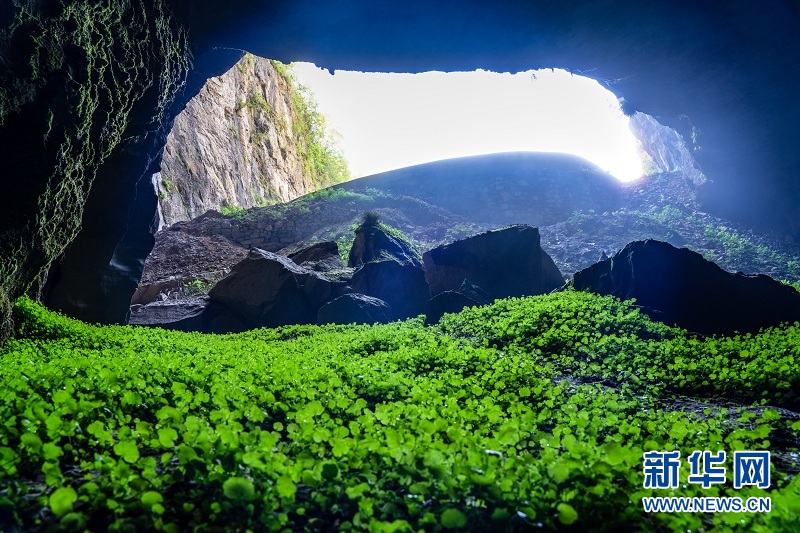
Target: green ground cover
{"x": 529, "y": 414}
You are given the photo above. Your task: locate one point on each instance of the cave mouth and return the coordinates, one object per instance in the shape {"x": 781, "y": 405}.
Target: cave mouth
{"x": 387, "y": 121}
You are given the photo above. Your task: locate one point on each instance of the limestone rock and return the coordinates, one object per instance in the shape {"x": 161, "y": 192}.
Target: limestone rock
{"x": 219, "y": 319}
{"x": 403, "y": 287}
{"x": 468, "y": 295}
{"x": 678, "y": 286}
{"x": 316, "y": 252}
{"x": 232, "y": 146}
{"x": 446, "y": 302}
{"x": 180, "y": 259}
{"x": 355, "y": 308}
{"x": 474, "y": 292}
{"x": 506, "y": 262}
{"x": 666, "y": 148}
{"x": 267, "y": 289}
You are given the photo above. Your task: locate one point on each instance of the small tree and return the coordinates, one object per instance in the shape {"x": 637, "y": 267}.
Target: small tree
{"x": 370, "y": 219}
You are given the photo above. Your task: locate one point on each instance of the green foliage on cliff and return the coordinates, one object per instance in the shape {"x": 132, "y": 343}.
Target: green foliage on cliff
{"x": 86, "y": 66}
{"x": 323, "y": 161}
{"x": 528, "y": 414}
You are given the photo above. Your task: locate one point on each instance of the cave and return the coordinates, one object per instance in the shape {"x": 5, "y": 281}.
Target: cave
{"x": 706, "y": 91}
{"x": 477, "y": 151}
{"x": 90, "y": 92}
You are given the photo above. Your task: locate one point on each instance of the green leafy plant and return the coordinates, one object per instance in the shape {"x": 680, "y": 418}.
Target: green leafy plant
{"x": 197, "y": 286}
{"x": 234, "y": 211}
{"x": 530, "y": 410}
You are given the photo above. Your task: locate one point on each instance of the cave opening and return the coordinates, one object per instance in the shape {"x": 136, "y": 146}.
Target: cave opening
{"x": 391, "y": 120}
{"x": 265, "y": 132}
{"x": 284, "y": 157}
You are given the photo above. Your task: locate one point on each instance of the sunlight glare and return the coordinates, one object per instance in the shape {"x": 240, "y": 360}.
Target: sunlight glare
{"x": 389, "y": 120}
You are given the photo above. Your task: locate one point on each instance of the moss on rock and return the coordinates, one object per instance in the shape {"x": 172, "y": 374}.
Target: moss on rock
{"x": 77, "y": 73}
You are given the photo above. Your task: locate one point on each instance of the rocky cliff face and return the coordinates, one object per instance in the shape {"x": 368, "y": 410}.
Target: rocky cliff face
{"x": 666, "y": 148}
{"x": 233, "y": 146}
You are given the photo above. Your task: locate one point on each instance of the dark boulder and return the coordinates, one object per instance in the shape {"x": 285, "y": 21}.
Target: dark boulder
{"x": 468, "y": 295}
{"x": 474, "y": 293}
{"x": 316, "y": 252}
{"x": 402, "y": 286}
{"x": 677, "y": 286}
{"x": 330, "y": 264}
{"x": 355, "y": 308}
{"x": 552, "y": 278}
{"x": 446, "y": 302}
{"x": 267, "y": 289}
{"x": 218, "y": 318}
{"x": 505, "y": 262}
{"x": 373, "y": 243}
{"x": 185, "y": 314}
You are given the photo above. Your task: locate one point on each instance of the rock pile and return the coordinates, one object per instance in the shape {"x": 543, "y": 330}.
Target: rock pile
{"x": 312, "y": 285}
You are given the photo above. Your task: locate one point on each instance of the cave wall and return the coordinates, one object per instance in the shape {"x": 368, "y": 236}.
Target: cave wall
{"x": 77, "y": 81}
{"x": 724, "y": 75}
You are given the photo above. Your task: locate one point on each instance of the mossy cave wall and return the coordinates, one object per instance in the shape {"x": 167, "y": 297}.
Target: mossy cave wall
{"x": 88, "y": 91}
{"x": 79, "y": 80}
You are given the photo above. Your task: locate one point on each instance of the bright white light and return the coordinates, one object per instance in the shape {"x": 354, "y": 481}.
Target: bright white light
{"x": 388, "y": 121}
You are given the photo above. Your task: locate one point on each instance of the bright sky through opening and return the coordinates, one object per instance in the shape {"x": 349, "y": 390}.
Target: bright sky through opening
{"x": 388, "y": 121}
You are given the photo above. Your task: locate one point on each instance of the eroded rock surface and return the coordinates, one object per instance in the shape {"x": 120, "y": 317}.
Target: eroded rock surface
{"x": 183, "y": 315}
{"x": 183, "y": 264}
{"x": 233, "y": 146}
{"x": 267, "y": 289}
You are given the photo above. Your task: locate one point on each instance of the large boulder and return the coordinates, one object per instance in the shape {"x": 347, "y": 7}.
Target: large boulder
{"x": 505, "y": 262}
{"x": 267, "y": 289}
{"x": 402, "y": 286}
{"x": 316, "y": 252}
{"x": 374, "y": 243}
{"x": 678, "y": 286}
{"x": 468, "y": 295}
{"x": 185, "y": 314}
{"x": 219, "y": 319}
{"x": 355, "y": 308}
{"x": 320, "y": 257}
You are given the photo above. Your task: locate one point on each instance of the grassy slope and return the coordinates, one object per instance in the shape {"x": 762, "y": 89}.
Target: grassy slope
{"x": 528, "y": 412}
